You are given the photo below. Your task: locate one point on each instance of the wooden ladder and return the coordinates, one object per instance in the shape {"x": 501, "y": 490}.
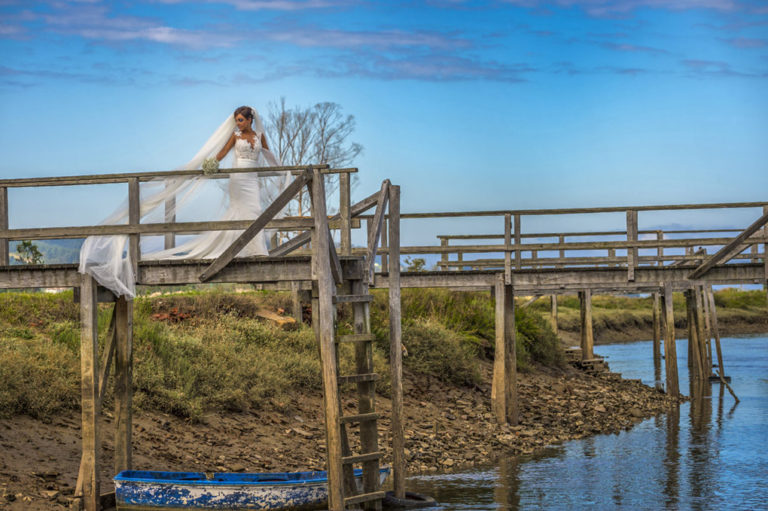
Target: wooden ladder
{"x": 364, "y": 378}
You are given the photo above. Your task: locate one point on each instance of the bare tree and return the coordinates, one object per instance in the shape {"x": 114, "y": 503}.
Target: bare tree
{"x": 313, "y": 135}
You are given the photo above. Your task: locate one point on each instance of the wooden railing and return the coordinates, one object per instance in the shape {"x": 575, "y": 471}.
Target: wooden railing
{"x": 595, "y": 248}
{"x": 344, "y": 221}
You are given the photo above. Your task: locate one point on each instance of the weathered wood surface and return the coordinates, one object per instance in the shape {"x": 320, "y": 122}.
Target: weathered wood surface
{"x": 670, "y": 346}
{"x": 395, "y": 344}
{"x": 134, "y": 217}
{"x": 375, "y": 233}
{"x": 90, "y": 409}
{"x": 345, "y": 193}
{"x": 586, "y": 331}
{"x": 123, "y": 383}
{"x": 504, "y": 383}
{"x": 656, "y": 331}
{"x": 325, "y": 334}
{"x": 632, "y": 237}
{"x": 4, "y": 250}
{"x": 149, "y": 176}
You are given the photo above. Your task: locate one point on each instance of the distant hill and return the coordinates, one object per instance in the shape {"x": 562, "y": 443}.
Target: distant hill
{"x": 54, "y": 251}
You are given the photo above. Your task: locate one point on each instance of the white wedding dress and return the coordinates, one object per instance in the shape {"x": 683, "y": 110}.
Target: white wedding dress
{"x": 246, "y": 195}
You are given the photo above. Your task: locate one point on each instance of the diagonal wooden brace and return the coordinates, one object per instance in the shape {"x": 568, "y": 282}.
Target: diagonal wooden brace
{"x": 378, "y": 222}
{"x": 728, "y": 251}
{"x": 302, "y": 239}
{"x": 272, "y": 210}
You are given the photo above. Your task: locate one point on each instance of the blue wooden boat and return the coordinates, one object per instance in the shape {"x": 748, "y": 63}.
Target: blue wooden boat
{"x": 150, "y": 490}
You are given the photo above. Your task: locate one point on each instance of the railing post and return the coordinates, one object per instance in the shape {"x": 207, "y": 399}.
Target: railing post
{"x": 346, "y": 219}
{"x": 395, "y": 344}
{"x": 504, "y": 385}
{"x": 660, "y": 250}
{"x": 561, "y": 240}
{"x": 631, "y": 251}
{"x": 518, "y": 238}
{"x": 444, "y": 255}
{"x": 134, "y": 208}
{"x": 587, "y": 335}
{"x": 89, "y": 355}
{"x": 123, "y": 383}
{"x": 170, "y": 218}
{"x": 4, "y": 225}
{"x": 384, "y": 244}
{"x": 507, "y": 253}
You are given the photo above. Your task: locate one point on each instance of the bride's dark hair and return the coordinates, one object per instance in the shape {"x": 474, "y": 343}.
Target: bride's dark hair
{"x": 245, "y": 111}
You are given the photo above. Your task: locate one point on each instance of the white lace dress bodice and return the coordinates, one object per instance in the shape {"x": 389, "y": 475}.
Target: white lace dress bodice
{"x": 245, "y": 152}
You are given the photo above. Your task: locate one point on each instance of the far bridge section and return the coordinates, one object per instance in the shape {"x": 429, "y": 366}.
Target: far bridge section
{"x": 635, "y": 258}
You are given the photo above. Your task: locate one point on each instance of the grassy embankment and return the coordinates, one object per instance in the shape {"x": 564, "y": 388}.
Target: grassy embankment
{"x": 218, "y": 358}
{"x": 622, "y": 319}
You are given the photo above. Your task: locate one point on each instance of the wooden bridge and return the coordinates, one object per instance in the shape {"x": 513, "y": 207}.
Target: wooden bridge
{"x": 509, "y": 263}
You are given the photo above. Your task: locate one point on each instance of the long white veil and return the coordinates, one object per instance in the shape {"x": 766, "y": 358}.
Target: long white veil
{"x": 107, "y": 258}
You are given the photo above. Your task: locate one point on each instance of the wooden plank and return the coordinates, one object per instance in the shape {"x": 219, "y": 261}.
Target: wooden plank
{"x": 670, "y": 349}
{"x": 518, "y": 243}
{"x": 364, "y": 497}
{"x": 269, "y": 213}
{"x": 89, "y": 352}
{"x": 169, "y": 240}
{"x": 353, "y": 298}
{"x": 107, "y": 354}
{"x": 325, "y": 332}
{"x": 345, "y": 192}
{"x": 334, "y": 260}
{"x": 360, "y": 417}
{"x": 378, "y": 220}
{"x": 4, "y": 249}
{"x": 396, "y": 345}
{"x": 504, "y": 385}
{"x": 151, "y": 176}
{"x": 134, "y": 218}
{"x": 722, "y": 255}
{"x": 507, "y": 253}
{"x": 587, "y": 335}
{"x": 358, "y": 378}
{"x": 359, "y": 458}
{"x": 656, "y": 330}
{"x": 632, "y": 237}
{"x": 123, "y": 384}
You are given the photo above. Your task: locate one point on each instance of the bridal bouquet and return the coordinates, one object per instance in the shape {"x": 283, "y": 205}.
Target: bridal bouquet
{"x": 210, "y": 166}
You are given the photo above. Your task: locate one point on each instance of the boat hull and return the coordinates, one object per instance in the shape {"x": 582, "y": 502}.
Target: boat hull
{"x": 166, "y": 491}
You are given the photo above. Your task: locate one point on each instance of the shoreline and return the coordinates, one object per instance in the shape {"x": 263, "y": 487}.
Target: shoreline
{"x": 447, "y": 428}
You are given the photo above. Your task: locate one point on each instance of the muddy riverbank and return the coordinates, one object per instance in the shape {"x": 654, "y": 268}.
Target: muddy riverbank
{"x": 448, "y": 428}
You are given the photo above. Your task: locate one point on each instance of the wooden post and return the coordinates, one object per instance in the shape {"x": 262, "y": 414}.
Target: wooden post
{"x": 444, "y": 255}
{"x": 504, "y": 386}
{"x": 656, "y": 335}
{"x": 296, "y": 302}
{"x": 395, "y": 345}
{"x": 170, "y": 217}
{"x": 4, "y": 249}
{"x": 587, "y": 336}
{"x": 134, "y": 214}
{"x": 325, "y": 329}
{"x": 612, "y": 255}
{"x": 694, "y": 351}
{"x": 631, "y": 236}
{"x": 670, "y": 348}
{"x": 383, "y": 244}
{"x": 553, "y": 312}
{"x": 518, "y": 240}
{"x": 715, "y": 329}
{"x": 344, "y": 211}
{"x": 123, "y": 383}
{"x": 89, "y": 355}
{"x": 702, "y": 290}
{"x": 660, "y": 250}
{"x": 561, "y": 240}
{"x": 507, "y": 253}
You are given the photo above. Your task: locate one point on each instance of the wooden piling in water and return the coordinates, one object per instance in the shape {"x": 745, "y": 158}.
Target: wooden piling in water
{"x": 587, "y": 335}
{"x": 656, "y": 337}
{"x": 670, "y": 348}
{"x": 504, "y": 386}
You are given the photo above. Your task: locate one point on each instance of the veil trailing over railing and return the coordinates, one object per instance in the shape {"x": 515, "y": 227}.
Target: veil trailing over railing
{"x": 108, "y": 258}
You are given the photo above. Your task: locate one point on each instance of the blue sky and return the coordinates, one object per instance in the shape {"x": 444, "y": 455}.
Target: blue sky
{"x": 465, "y": 104}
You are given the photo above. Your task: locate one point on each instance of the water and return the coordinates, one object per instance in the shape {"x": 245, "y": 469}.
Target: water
{"x": 706, "y": 454}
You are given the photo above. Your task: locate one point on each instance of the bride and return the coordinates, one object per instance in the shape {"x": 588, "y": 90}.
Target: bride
{"x": 107, "y": 259}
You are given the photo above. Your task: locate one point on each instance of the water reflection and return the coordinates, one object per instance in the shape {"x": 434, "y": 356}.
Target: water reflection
{"x": 700, "y": 455}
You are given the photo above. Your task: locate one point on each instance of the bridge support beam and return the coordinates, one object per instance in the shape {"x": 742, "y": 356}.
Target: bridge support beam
{"x": 695, "y": 352}
{"x": 670, "y": 348}
{"x": 123, "y": 383}
{"x": 657, "y": 339}
{"x": 504, "y": 387}
{"x": 587, "y": 335}
{"x": 89, "y": 356}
